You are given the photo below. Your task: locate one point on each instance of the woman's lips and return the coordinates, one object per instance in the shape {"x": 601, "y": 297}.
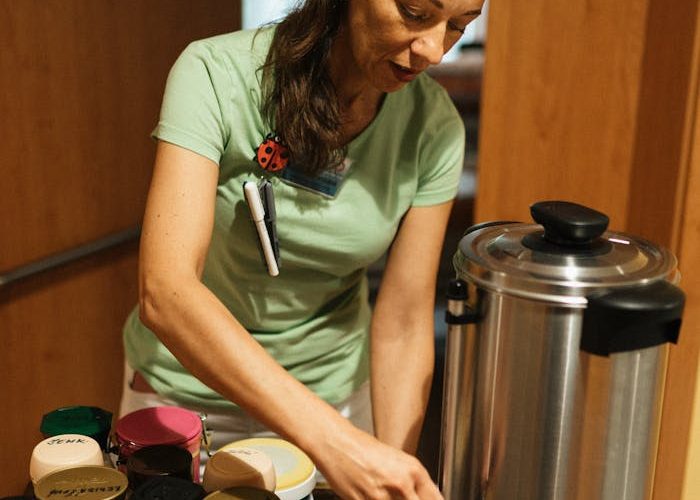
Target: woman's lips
{"x": 402, "y": 73}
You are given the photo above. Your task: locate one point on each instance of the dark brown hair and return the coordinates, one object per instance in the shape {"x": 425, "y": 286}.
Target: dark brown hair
{"x": 299, "y": 98}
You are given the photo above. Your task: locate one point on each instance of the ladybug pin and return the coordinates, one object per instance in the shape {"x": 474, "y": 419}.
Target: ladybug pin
{"x": 272, "y": 155}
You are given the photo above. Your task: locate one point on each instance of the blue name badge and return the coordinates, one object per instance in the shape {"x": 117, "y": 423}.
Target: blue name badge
{"x": 327, "y": 183}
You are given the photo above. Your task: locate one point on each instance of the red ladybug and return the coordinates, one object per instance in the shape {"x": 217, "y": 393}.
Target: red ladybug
{"x": 272, "y": 155}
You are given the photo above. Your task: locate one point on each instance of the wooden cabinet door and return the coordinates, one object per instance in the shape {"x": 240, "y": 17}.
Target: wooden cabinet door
{"x": 80, "y": 88}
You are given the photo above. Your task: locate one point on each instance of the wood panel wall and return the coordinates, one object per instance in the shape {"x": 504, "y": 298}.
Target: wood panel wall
{"x": 678, "y": 461}
{"x": 594, "y": 102}
{"x": 80, "y": 89}
{"x": 689, "y": 252}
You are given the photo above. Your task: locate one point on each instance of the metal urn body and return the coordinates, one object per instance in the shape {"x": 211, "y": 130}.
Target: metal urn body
{"x": 556, "y": 358}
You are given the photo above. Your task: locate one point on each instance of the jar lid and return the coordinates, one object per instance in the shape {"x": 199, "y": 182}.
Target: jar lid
{"x": 242, "y": 493}
{"x": 294, "y": 470}
{"x": 86, "y": 420}
{"x": 64, "y": 450}
{"x": 526, "y": 260}
{"x": 239, "y": 466}
{"x": 158, "y": 460}
{"x": 159, "y": 425}
{"x": 88, "y": 482}
{"x": 168, "y": 488}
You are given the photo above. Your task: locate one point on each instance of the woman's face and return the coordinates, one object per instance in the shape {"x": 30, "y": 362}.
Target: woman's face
{"x": 392, "y": 41}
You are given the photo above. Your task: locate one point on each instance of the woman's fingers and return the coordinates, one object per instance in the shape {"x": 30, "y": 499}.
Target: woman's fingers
{"x": 363, "y": 468}
{"x": 427, "y": 490}
{"x": 414, "y": 483}
{"x": 423, "y": 487}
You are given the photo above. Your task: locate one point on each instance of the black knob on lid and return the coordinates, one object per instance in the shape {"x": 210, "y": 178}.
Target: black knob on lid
{"x": 569, "y": 229}
{"x": 567, "y": 223}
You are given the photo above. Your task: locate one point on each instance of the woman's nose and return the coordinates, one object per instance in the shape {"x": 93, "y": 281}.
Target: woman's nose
{"x": 430, "y": 44}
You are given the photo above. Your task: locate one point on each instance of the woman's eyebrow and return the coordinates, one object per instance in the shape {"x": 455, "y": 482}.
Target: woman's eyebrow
{"x": 473, "y": 12}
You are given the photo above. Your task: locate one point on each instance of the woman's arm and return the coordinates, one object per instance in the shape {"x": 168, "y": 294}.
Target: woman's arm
{"x": 184, "y": 314}
{"x": 402, "y": 342}
{"x": 202, "y": 334}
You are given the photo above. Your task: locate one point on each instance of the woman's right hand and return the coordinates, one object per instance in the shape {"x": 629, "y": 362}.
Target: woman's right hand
{"x": 360, "y": 467}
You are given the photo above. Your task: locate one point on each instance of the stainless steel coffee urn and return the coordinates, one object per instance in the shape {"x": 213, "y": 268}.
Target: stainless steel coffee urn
{"x": 558, "y": 335}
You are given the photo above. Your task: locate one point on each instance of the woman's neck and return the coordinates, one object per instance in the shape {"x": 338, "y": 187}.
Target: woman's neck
{"x": 353, "y": 90}
{"x": 359, "y": 101}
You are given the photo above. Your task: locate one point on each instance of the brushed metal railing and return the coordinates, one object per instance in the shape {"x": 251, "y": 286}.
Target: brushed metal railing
{"x": 71, "y": 255}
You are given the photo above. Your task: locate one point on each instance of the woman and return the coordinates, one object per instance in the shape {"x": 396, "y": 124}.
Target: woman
{"x": 372, "y": 152}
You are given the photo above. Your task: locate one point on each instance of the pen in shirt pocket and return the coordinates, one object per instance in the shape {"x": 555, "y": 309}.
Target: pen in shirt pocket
{"x": 257, "y": 211}
{"x": 268, "y": 198}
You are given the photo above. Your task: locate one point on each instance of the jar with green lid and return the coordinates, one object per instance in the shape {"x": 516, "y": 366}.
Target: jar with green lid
{"x": 85, "y": 420}
{"x": 87, "y": 483}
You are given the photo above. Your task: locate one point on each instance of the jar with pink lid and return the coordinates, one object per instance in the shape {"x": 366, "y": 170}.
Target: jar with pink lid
{"x": 162, "y": 425}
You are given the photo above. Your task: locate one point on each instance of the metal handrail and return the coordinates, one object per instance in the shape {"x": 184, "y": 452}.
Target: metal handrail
{"x": 71, "y": 255}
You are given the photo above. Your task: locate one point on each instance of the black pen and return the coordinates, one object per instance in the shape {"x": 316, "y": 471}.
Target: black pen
{"x": 268, "y": 199}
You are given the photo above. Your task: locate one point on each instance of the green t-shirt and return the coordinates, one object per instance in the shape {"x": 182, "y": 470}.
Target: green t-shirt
{"x": 314, "y": 317}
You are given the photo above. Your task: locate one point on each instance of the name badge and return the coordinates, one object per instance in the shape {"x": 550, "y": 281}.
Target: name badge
{"x": 326, "y": 184}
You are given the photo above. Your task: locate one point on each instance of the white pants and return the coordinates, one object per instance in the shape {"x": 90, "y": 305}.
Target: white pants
{"x": 227, "y": 425}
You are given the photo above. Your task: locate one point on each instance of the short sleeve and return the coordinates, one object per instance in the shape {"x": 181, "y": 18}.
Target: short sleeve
{"x": 441, "y": 158}
{"x": 191, "y": 115}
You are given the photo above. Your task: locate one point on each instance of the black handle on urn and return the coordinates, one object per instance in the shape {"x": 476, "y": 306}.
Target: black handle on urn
{"x": 632, "y": 318}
